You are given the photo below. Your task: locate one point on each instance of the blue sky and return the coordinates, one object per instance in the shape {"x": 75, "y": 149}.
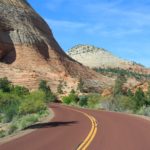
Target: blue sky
{"x": 120, "y": 26}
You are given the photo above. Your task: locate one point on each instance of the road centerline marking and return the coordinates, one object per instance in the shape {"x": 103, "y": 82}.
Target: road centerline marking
{"x": 88, "y": 140}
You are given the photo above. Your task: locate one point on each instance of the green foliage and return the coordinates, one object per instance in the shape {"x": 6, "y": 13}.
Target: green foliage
{"x": 10, "y": 112}
{"x": 119, "y": 85}
{"x": 121, "y": 103}
{"x": 71, "y": 98}
{"x": 93, "y": 100}
{"x": 12, "y": 129}
{"x": 127, "y": 73}
{"x": 20, "y": 91}
{"x": 26, "y": 121}
{"x": 8, "y": 105}
{"x": 83, "y": 99}
{"x": 21, "y": 108}
{"x": 49, "y": 96}
{"x": 5, "y": 85}
{"x": 43, "y": 86}
{"x": 129, "y": 93}
{"x": 144, "y": 111}
{"x": 139, "y": 99}
{"x": 148, "y": 96}
{"x": 33, "y": 103}
{"x": 2, "y": 133}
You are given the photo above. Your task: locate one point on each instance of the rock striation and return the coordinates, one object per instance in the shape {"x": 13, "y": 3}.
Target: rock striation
{"x": 29, "y": 51}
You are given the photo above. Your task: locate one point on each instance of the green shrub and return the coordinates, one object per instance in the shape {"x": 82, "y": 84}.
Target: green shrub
{"x": 49, "y": 96}
{"x": 94, "y": 100}
{"x": 9, "y": 104}
{"x": 83, "y": 100}
{"x": 5, "y": 85}
{"x": 66, "y": 100}
{"x": 27, "y": 121}
{"x": 122, "y": 103}
{"x": 71, "y": 98}
{"x": 10, "y": 112}
{"x": 20, "y": 91}
{"x": 33, "y": 103}
{"x": 140, "y": 99}
{"x": 2, "y": 133}
{"x": 128, "y": 73}
{"x": 144, "y": 111}
{"x": 12, "y": 129}
{"x": 1, "y": 118}
{"x": 118, "y": 88}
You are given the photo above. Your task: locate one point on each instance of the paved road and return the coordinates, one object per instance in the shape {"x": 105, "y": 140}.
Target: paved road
{"x": 85, "y": 130}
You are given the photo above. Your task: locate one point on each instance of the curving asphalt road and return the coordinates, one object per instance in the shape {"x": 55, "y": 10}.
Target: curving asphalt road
{"x": 78, "y": 129}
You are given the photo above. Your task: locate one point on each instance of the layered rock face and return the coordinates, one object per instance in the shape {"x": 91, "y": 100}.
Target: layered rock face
{"x": 25, "y": 38}
{"x": 29, "y": 52}
{"x": 94, "y": 57}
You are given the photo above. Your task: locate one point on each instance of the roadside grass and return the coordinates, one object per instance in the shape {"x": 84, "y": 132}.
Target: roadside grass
{"x": 134, "y": 103}
{"x": 20, "y": 108}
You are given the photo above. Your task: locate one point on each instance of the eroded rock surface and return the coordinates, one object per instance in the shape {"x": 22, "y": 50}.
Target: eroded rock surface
{"x": 29, "y": 52}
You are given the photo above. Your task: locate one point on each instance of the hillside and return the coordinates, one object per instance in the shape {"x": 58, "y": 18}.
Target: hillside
{"x": 29, "y": 51}
{"x": 94, "y": 57}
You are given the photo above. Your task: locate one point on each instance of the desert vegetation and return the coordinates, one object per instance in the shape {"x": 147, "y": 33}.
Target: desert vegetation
{"x": 20, "y": 108}
{"x": 121, "y": 101}
{"x": 115, "y": 71}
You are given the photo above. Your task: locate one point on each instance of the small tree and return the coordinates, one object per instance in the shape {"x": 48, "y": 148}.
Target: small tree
{"x": 43, "y": 86}
{"x": 139, "y": 98}
{"x": 119, "y": 85}
{"x": 83, "y": 99}
{"x": 49, "y": 96}
{"x": 5, "y": 85}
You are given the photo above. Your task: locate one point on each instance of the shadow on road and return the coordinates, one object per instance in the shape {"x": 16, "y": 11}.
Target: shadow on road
{"x": 51, "y": 124}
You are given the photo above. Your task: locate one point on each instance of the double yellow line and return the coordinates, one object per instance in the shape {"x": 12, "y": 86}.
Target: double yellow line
{"x": 85, "y": 144}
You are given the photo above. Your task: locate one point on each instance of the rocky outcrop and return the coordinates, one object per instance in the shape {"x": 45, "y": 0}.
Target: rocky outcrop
{"x": 94, "y": 57}
{"x": 29, "y": 52}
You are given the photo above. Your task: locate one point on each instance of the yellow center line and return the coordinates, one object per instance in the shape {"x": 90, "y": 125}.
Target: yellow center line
{"x": 91, "y": 137}
{"x": 85, "y": 144}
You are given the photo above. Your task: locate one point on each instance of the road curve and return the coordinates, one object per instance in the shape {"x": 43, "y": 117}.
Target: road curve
{"x": 69, "y": 130}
